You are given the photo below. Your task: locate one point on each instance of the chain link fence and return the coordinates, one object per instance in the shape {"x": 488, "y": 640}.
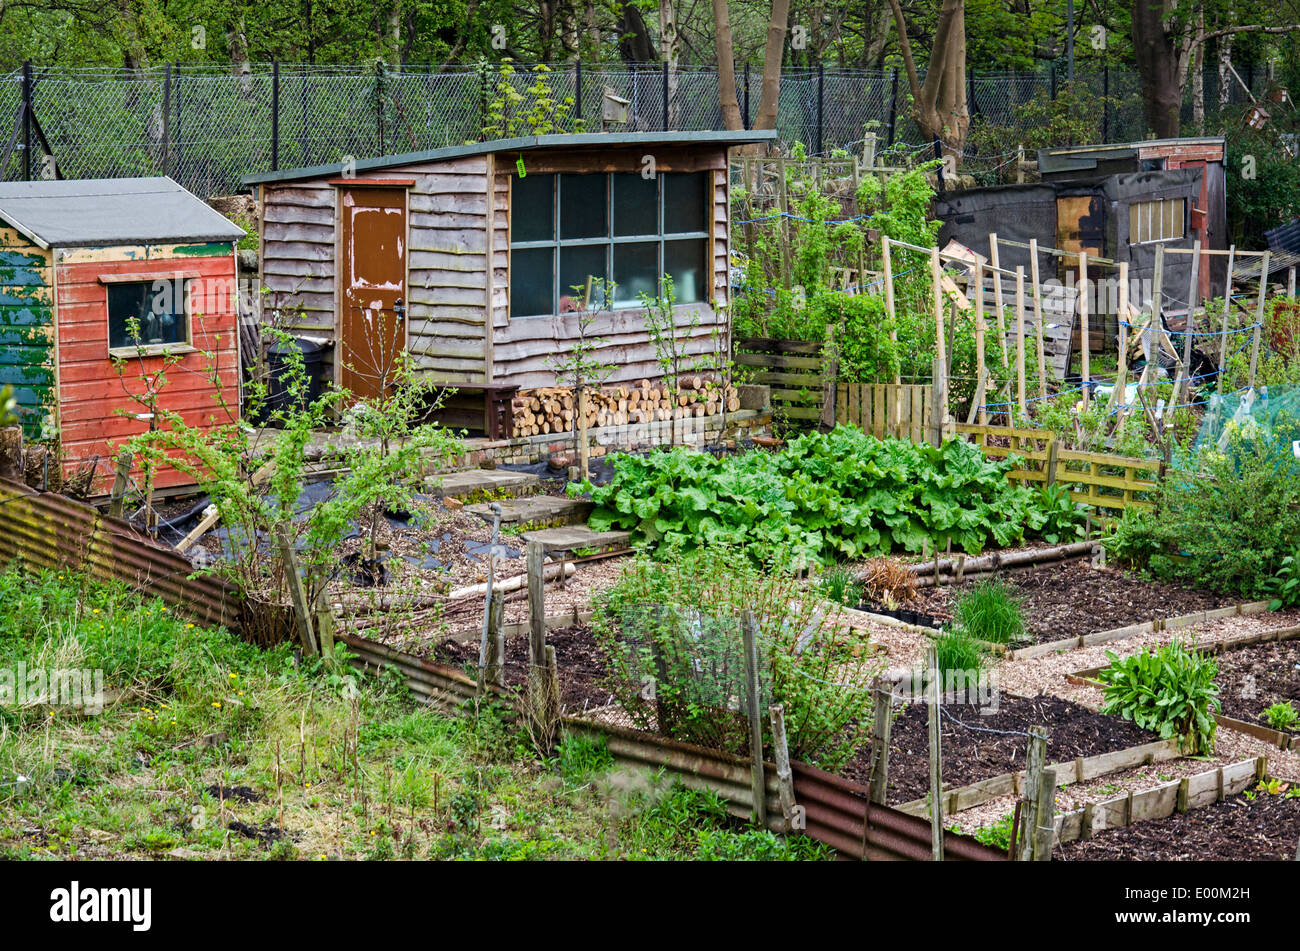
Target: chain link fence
{"x": 207, "y": 128}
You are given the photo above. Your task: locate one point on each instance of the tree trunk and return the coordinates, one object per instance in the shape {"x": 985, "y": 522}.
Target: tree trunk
{"x": 765, "y": 118}
{"x": 1198, "y": 72}
{"x": 669, "y": 48}
{"x": 1225, "y": 71}
{"x": 939, "y": 105}
{"x": 731, "y": 118}
{"x": 393, "y": 34}
{"x": 1156, "y": 55}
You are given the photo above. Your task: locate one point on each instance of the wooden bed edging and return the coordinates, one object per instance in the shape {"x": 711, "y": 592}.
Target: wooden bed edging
{"x": 1132, "y": 630}
{"x": 1078, "y": 770}
{"x": 1179, "y": 795}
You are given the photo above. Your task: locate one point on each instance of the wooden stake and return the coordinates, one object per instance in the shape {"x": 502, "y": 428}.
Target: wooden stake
{"x": 1038, "y": 316}
{"x": 781, "y": 753}
{"x": 889, "y": 296}
{"x": 882, "y": 724}
{"x": 484, "y": 641}
{"x": 1259, "y": 316}
{"x": 297, "y": 593}
{"x": 758, "y": 783}
{"x": 1035, "y": 760}
{"x": 1085, "y": 344}
{"x": 535, "y": 557}
{"x": 120, "y": 482}
{"x": 1020, "y": 339}
{"x": 1046, "y": 816}
{"x": 979, "y": 343}
{"x": 997, "y": 298}
{"x": 584, "y": 449}
{"x": 936, "y": 771}
{"x": 1189, "y": 327}
{"x": 1227, "y": 308}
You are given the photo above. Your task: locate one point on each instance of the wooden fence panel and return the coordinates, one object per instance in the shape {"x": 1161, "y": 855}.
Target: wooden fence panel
{"x": 900, "y": 411}
{"x": 792, "y": 368}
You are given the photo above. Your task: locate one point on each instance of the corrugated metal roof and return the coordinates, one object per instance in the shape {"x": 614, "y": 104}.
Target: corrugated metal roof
{"x": 519, "y": 144}
{"x": 107, "y": 211}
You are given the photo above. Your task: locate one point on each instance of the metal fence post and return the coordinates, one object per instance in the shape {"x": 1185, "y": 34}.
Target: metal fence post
{"x": 577, "y": 83}
{"x": 747, "y": 96}
{"x": 665, "y": 90}
{"x": 1105, "y": 102}
{"x": 275, "y": 116}
{"x": 893, "y": 106}
{"x": 166, "y": 118}
{"x": 821, "y": 101}
{"x": 482, "y": 101}
{"x": 27, "y": 120}
{"x": 379, "y": 104}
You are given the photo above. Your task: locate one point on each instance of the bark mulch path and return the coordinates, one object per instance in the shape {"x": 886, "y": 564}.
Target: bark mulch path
{"x": 1238, "y": 829}
{"x": 581, "y": 668}
{"x": 969, "y": 754}
{"x": 1070, "y": 598}
{"x": 1251, "y": 679}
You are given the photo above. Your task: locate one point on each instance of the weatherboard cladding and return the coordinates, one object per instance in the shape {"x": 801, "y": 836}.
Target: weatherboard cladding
{"x": 453, "y": 195}
{"x": 27, "y": 329}
{"x": 101, "y": 212}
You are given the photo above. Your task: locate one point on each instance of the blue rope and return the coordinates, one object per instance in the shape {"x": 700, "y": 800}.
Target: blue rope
{"x": 1200, "y": 333}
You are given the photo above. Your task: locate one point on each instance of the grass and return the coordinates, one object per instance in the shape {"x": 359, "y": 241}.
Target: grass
{"x": 958, "y": 651}
{"x": 838, "y": 584}
{"x": 200, "y": 731}
{"x": 990, "y": 611}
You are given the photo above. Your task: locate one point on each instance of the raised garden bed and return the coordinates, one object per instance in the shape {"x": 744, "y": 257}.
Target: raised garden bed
{"x": 970, "y": 754}
{"x": 1068, "y": 599}
{"x": 1262, "y": 828}
{"x": 1253, "y": 679}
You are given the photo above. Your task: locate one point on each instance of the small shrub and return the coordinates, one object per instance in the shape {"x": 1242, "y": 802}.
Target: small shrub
{"x": 1284, "y": 587}
{"x": 1132, "y": 539}
{"x": 1170, "y": 691}
{"x": 990, "y": 611}
{"x": 1282, "y": 716}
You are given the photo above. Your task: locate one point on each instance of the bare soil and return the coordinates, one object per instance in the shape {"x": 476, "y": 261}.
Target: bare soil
{"x": 1070, "y": 598}
{"x": 977, "y": 744}
{"x": 1251, "y": 679}
{"x": 1261, "y": 829}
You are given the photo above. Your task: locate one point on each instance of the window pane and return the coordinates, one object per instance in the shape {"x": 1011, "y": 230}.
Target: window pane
{"x": 685, "y": 202}
{"x": 636, "y": 272}
{"x": 532, "y": 208}
{"x": 532, "y": 279}
{"x": 576, "y": 265}
{"x": 636, "y": 204}
{"x": 160, "y": 315}
{"x": 684, "y": 263}
{"x": 582, "y": 206}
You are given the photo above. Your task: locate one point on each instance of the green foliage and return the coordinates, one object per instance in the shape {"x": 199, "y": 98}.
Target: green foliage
{"x": 843, "y": 494}
{"x": 838, "y": 584}
{"x": 579, "y": 758}
{"x": 1268, "y": 198}
{"x": 1132, "y": 540}
{"x": 1064, "y": 520}
{"x": 1170, "y": 691}
{"x": 990, "y": 611}
{"x": 8, "y": 406}
{"x": 1229, "y": 517}
{"x": 957, "y": 652}
{"x": 1282, "y": 716}
{"x": 1283, "y": 588}
{"x": 996, "y": 835}
{"x": 536, "y": 110}
{"x": 670, "y": 635}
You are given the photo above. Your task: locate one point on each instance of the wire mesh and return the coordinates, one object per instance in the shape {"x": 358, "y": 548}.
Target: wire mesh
{"x": 208, "y": 127}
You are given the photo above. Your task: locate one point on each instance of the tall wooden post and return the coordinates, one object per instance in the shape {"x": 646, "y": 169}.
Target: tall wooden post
{"x": 888, "y": 278}
{"x": 881, "y": 726}
{"x": 936, "y": 771}
{"x": 1227, "y": 309}
{"x": 1085, "y": 343}
{"x": 120, "y": 481}
{"x": 297, "y": 593}
{"x": 485, "y": 639}
{"x": 939, "y": 412}
{"x": 994, "y": 259}
{"x": 1259, "y": 315}
{"x": 1020, "y": 339}
{"x": 1035, "y": 761}
{"x": 753, "y": 697}
{"x": 978, "y": 271}
{"x": 1038, "y": 316}
{"x": 781, "y": 754}
{"x": 1190, "y": 326}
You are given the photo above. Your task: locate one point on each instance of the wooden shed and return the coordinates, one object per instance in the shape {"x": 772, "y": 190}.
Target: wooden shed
{"x": 81, "y": 264}
{"x": 482, "y": 243}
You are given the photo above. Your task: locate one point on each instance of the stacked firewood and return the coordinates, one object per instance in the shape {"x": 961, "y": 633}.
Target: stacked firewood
{"x": 554, "y": 409}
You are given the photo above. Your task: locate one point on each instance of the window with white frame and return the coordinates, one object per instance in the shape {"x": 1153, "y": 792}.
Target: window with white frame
{"x": 1162, "y": 220}
{"x": 620, "y": 228}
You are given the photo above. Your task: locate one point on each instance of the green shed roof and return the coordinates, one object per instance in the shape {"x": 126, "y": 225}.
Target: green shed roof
{"x": 519, "y": 144}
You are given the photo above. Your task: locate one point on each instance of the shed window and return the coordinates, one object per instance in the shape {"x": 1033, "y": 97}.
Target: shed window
{"x": 1164, "y": 220}
{"x": 158, "y": 309}
{"x": 566, "y": 229}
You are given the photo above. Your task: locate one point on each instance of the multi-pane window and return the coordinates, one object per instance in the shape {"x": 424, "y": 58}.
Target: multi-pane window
{"x": 1163, "y": 220}
{"x": 155, "y": 309}
{"x": 620, "y": 228}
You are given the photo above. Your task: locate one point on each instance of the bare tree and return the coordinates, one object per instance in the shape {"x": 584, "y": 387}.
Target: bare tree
{"x": 939, "y": 104}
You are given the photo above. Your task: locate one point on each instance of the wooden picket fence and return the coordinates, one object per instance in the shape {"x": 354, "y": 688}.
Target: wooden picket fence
{"x": 903, "y": 411}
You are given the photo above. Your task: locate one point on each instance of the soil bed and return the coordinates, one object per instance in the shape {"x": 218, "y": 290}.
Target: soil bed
{"x": 971, "y": 755}
{"x": 1238, "y": 829}
{"x": 581, "y": 669}
{"x": 1251, "y": 679}
{"x": 1067, "y": 599}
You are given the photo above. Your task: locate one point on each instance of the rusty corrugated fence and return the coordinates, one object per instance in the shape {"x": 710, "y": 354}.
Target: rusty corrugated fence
{"x": 47, "y": 530}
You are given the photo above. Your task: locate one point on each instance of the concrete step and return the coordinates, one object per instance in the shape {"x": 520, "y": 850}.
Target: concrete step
{"x": 571, "y": 538}
{"x": 535, "y": 511}
{"x": 476, "y": 485}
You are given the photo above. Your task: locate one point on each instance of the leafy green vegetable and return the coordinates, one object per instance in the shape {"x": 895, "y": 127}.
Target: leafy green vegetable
{"x": 1171, "y": 692}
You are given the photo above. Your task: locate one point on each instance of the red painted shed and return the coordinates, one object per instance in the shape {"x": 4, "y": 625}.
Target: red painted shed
{"x": 135, "y": 270}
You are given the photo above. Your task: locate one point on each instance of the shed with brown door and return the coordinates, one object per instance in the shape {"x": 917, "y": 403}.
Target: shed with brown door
{"x": 467, "y": 257}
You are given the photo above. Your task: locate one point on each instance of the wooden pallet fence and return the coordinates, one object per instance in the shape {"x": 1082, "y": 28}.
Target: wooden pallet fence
{"x": 898, "y": 410}
{"x": 1079, "y": 770}
{"x": 792, "y": 368}
{"x": 1159, "y": 802}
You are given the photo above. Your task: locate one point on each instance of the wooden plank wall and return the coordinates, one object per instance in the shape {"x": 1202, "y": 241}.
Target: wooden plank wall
{"x": 298, "y": 255}
{"x": 91, "y": 393}
{"x": 27, "y": 330}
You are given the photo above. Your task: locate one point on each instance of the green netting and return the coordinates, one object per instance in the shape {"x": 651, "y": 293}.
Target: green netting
{"x": 1253, "y": 423}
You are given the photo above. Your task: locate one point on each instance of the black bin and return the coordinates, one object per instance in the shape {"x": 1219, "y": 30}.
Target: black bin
{"x": 277, "y": 365}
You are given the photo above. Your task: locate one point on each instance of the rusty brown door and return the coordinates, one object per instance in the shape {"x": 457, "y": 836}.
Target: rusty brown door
{"x": 1081, "y": 226}
{"x": 373, "y": 268}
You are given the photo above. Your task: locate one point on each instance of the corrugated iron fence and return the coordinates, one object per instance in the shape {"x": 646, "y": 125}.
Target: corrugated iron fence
{"x": 46, "y": 530}
{"x": 834, "y": 808}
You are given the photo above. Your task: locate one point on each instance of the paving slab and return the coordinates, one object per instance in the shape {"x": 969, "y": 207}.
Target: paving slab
{"x": 485, "y": 481}
{"x": 572, "y": 538}
{"x": 540, "y": 511}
